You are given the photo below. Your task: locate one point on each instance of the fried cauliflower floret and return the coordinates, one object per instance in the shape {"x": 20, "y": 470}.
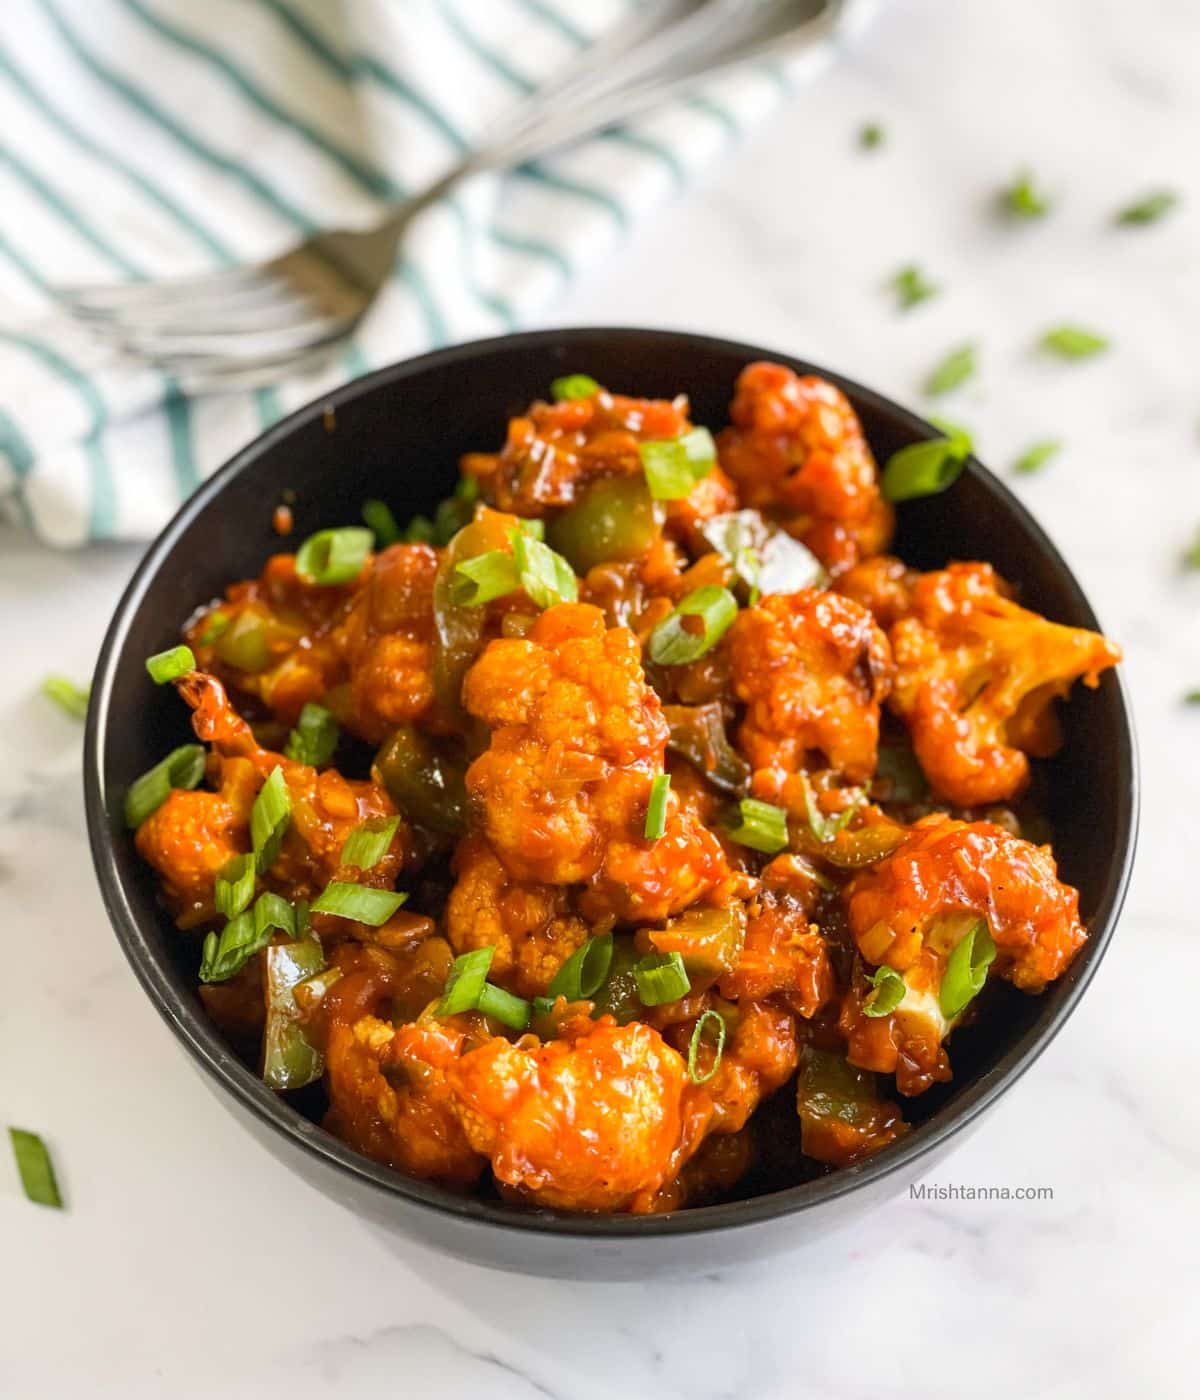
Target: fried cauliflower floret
{"x": 188, "y": 840}
{"x": 588, "y": 1122}
{"x": 530, "y": 926}
{"x": 812, "y": 668}
{"x": 797, "y": 450}
{"x": 784, "y": 955}
{"x": 562, "y": 790}
{"x": 554, "y": 450}
{"x": 761, "y": 1054}
{"x": 976, "y": 676}
{"x": 390, "y": 1097}
{"x": 883, "y": 585}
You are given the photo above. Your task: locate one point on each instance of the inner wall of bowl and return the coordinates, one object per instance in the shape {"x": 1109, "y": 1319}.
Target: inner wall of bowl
{"x": 399, "y": 437}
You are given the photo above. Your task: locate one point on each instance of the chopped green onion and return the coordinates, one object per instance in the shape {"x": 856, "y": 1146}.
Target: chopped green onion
{"x": 314, "y": 738}
{"x": 926, "y": 468}
{"x": 574, "y": 386}
{"x": 952, "y": 371}
{"x": 1191, "y": 558}
{"x": 182, "y": 768}
{"x": 912, "y": 287}
{"x": 169, "y": 665}
{"x": 35, "y": 1168}
{"x": 1036, "y": 455}
{"x": 358, "y": 902}
{"x": 888, "y": 994}
{"x": 583, "y": 973}
{"x": 72, "y": 699}
{"x": 468, "y": 974}
{"x": 512, "y": 1011}
{"x": 215, "y": 628}
{"x": 235, "y": 886}
{"x": 334, "y": 556}
{"x": 1023, "y": 199}
{"x": 227, "y": 953}
{"x": 487, "y": 576}
{"x": 822, "y": 827}
{"x": 367, "y": 845}
{"x": 272, "y": 911}
{"x": 1148, "y": 210}
{"x": 674, "y": 465}
{"x": 466, "y": 489}
{"x": 759, "y": 825}
{"x": 717, "y": 1021}
{"x": 535, "y": 529}
{"x": 698, "y": 623}
{"x": 870, "y": 136}
{"x": 420, "y": 530}
{"x": 656, "y": 808}
{"x": 966, "y": 969}
{"x": 1073, "y": 342}
{"x": 661, "y": 978}
{"x": 289, "y": 1061}
{"x": 545, "y": 576}
{"x": 269, "y": 818}
{"x": 1192, "y": 697}
{"x": 542, "y": 1006}
{"x": 382, "y": 523}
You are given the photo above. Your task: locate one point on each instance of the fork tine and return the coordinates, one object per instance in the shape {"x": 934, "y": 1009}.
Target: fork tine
{"x": 257, "y": 310}
{"x": 122, "y": 296}
{"x": 169, "y": 350}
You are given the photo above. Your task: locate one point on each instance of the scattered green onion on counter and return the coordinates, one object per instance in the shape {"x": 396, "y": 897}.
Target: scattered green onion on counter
{"x": 72, "y": 699}
{"x": 35, "y": 1168}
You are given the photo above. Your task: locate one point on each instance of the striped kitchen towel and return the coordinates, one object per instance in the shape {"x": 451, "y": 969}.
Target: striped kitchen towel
{"x": 148, "y": 138}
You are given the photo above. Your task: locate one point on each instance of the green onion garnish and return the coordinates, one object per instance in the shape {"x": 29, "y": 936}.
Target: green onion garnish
{"x": 382, "y": 523}
{"x": 334, "y": 556}
{"x": 926, "y": 468}
{"x": 1036, "y": 455}
{"x": 1073, "y": 342}
{"x": 272, "y": 911}
{"x": 269, "y": 818}
{"x": 235, "y": 886}
{"x": 420, "y": 530}
{"x": 512, "y": 1011}
{"x": 870, "y": 136}
{"x": 72, "y": 699}
{"x": 314, "y": 738}
{"x": 888, "y": 994}
{"x": 182, "y": 768}
{"x": 1023, "y": 199}
{"x": 535, "y": 529}
{"x": 215, "y": 628}
{"x": 487, "y": 576}
{"x": 1192, "y": 697}
{"x": 656, "y": 808}
{"x": 574, "y": 386}
{"x": 759, "y": 825}
{"x": 717, "y": 1021}
{"x": 698, "y": 623}
{"x": 966, "y": 969}
{"x": 545, "y": 576}
{"x": 225, "y": 954}
{"x": 35, "y": 1168}
{"x": 951, "y": 372}
{"x": 912, "y": 287}
{"x": 468, "y": 973}
{"x": 358, "y": 902}
{"x": 674, "y": 465}
{"x": 1148, "y": 210}
{"x": 661, "y": 978}
{"x": 367, "y": 845}
{"x": 169, "y": 665}
{"x": 1191, "y": 557}
{"x": 822, "y": 827}
{"x": 583, "y": 973}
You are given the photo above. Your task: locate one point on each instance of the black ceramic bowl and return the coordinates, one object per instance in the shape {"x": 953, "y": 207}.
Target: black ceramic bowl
{"x": 398, "y": 434}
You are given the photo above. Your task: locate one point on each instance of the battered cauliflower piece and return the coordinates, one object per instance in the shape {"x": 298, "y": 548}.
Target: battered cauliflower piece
{"x": 976, "y": 676}
{"x": 784, "y": 955}
{"x": 561, "y": 792}
{"x": 554, "y": 450}
{"x": 530, "y": 926}
{"x": 188, "y": 840}
{"x": 589, "y": 1122}
{"x": 761, "y": 1054}
{"x": 796, "y": 450}
{"x": 390, "y": 1097}
{"x": 883, "y": 585}
{"x": 812, "y": 669}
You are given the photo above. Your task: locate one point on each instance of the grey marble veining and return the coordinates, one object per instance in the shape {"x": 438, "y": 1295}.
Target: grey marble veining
{"x": 189, "y": 1265}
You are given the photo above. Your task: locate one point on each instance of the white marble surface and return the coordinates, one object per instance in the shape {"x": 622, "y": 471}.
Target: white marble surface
{"x": 189, "y": 1265}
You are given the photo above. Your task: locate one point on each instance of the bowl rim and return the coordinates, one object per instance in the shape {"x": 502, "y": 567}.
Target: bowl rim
{"x": 200, "y": 1038}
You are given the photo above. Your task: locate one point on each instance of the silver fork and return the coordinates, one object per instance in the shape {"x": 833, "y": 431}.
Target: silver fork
{"x": 245, "y": 326}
